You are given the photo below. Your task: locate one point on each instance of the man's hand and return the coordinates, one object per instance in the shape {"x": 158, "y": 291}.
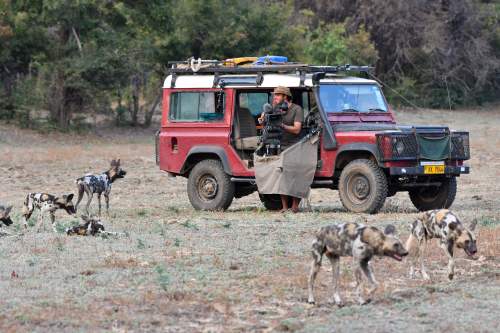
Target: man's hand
{"x": 295, "y": 129}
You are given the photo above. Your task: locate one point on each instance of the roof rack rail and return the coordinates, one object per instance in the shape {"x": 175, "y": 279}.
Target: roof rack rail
{"x": 195, "y": 66}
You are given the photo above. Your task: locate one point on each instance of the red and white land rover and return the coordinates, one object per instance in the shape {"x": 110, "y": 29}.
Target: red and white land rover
{"x": 209, "y": 132}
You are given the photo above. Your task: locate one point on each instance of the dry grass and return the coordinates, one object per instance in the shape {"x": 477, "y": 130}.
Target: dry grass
{"x": 175, "y": 269}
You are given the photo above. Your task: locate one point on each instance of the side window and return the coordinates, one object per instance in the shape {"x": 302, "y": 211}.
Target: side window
{"x": 197, "y": 106}
{"x": 253, "y": 101}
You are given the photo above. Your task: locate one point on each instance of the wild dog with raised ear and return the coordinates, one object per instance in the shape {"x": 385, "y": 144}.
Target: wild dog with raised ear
{"x": 5, "y": 215}
{"x": 447, "y": 228}
{"x": 90, "y": 227}
{"x": 99, "y": 184}
{"x": 46, "y": 203}
{"x": 353, "y": 240}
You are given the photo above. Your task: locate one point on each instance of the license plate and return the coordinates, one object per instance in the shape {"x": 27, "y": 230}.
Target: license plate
{"x": 433, "y": 169}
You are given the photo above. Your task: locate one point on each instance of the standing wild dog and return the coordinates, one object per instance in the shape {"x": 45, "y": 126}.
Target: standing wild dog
{"x": 46, "y": 203}
{"x": 353, "y": 240}
{"x": 444, "y": 225}
{"x": 4, "y": 215}
{"x": 99, "y": 184}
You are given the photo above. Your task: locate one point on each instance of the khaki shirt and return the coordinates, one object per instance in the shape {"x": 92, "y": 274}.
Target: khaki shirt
{"x": 294, "y": 114}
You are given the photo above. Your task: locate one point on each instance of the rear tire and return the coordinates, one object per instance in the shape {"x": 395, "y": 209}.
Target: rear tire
{"x": 435, "y": 197}
{"x": 362, "y": 187}
{"x": 209, "y": 187}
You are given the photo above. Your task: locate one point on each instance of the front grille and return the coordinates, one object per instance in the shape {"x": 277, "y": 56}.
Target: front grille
{"x": 405, "y": 146}
{"x": 397, "y": 146}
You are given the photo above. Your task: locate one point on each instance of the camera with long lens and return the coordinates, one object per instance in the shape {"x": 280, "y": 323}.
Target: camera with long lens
{"x": 272, "y": 131}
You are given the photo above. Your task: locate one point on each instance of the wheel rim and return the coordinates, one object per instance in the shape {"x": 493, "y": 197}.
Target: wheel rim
{"x": 207, "y": 187}
{"x": 358, "y": 188}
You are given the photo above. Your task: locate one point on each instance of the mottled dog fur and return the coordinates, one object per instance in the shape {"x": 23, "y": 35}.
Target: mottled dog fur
{"x": 46, "y": 203}
{"x": 5, "y": 215}
{"x": 447, "y": 228}
{"x": 353, "y": 240}
{"x": 90, "y": 227}
{"x": 99, "y": 184}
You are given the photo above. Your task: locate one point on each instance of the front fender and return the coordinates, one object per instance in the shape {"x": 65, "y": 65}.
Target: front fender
{"x": 201, "y": 151}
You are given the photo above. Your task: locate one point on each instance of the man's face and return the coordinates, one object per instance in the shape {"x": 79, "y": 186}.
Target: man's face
{"x": 278, "y": 99}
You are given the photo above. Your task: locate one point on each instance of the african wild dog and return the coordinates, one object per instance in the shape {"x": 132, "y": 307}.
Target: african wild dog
{"x": 359, "y": 241}
{"x": 46, "y": 203}
{"x": 99, "y": 184}
{"x": 4, "y": 215}
{"x": 90, "y": 227}
{"x": 442, "y": 224}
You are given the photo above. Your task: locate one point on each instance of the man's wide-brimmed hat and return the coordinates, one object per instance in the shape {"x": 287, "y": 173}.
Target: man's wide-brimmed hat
{"x": 282, "y": 90}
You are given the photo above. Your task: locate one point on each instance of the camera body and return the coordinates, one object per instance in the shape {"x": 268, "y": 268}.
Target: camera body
{"x": 272, "y": 130}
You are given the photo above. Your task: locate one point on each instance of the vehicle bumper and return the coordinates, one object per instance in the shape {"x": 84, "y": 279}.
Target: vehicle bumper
{"x": 419, "y": 171}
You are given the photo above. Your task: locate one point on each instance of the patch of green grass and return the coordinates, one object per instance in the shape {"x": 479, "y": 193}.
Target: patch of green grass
{"x": 141, "y": 244}
{"x": 190, "y": 225}
{"x": 486, "y": 221}
{"x": 173, "y": 209}
{"x": 142, "y": 212}
{"x": 163, "y": 277}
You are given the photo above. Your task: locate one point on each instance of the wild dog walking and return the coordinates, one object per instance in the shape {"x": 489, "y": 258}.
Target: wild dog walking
{"x": 353, "y": 240}
{"x": 5, "y": 215}
{"x": 99, "y": 184}
{"x": 46, "y": 203}
{"x": 444, "y": 225}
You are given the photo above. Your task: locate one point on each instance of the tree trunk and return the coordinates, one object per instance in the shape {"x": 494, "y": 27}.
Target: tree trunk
{"x": 149, "y": 114}
{"x": 136, "y": 87}
{"x": 57, "y": 104}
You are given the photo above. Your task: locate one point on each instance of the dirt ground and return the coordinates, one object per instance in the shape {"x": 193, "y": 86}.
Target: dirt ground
{"x": 178, "y": 270}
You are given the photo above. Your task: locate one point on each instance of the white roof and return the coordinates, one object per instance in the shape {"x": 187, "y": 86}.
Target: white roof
{"x": 269, "y": 80}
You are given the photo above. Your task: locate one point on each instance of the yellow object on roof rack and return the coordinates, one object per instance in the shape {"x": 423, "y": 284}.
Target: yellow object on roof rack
{"x": 241, "y": 61}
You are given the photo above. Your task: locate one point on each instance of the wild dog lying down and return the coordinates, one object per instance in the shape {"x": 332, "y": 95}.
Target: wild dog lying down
{"x": 4, "y": 215}
{"x": 46, "y": 203}
{"x": 90, "y": 227}
{"x": 99, "y": 184}
{"x": 445, "y": 226}
{"x": 359, "y": 241}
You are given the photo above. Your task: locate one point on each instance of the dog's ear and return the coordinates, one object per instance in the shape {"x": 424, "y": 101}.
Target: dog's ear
{"x": 390, "y": 230}
{"x": 472, "y": 225}
{"x": 118, "y": 162}
{"x": 7, "y": 210}
{"x": 113, "y": 162}
{"x": 69, "y": 197}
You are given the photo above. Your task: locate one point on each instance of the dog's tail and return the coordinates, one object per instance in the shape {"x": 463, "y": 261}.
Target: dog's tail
{"x": 81, "y": 189}
{"x": 26, "y": 205}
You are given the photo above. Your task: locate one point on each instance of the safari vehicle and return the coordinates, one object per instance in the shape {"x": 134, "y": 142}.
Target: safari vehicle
{"x": 209, "y": 133}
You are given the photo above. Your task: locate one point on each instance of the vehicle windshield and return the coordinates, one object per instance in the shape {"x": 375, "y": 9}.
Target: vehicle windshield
{"x": 352, "y": 98}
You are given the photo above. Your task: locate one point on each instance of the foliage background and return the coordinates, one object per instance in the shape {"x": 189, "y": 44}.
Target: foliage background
{"x": 63, "y": 61}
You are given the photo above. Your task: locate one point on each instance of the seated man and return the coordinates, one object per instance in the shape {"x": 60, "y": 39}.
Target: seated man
{"x": 292, "y": 124}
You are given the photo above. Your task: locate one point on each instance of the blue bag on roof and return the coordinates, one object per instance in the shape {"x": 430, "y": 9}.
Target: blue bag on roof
{"x": 271, "y": 60}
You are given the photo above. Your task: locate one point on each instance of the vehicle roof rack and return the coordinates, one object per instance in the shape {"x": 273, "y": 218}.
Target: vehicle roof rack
{"x": 193, "y": 66}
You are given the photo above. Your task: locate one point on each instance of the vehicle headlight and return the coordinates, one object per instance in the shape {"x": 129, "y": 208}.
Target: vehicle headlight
{"x": 400, "y": 147}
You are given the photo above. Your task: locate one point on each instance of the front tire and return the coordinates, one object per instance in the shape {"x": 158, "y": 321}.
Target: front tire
{"x": 362, "y": 187}
{"x": 209, "y": 187}
{"x": 435, "y": 197}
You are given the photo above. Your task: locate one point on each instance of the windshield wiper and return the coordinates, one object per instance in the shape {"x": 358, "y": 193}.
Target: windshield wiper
{"x": 350, "y": 110}
{"x": 376, "y": 110}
